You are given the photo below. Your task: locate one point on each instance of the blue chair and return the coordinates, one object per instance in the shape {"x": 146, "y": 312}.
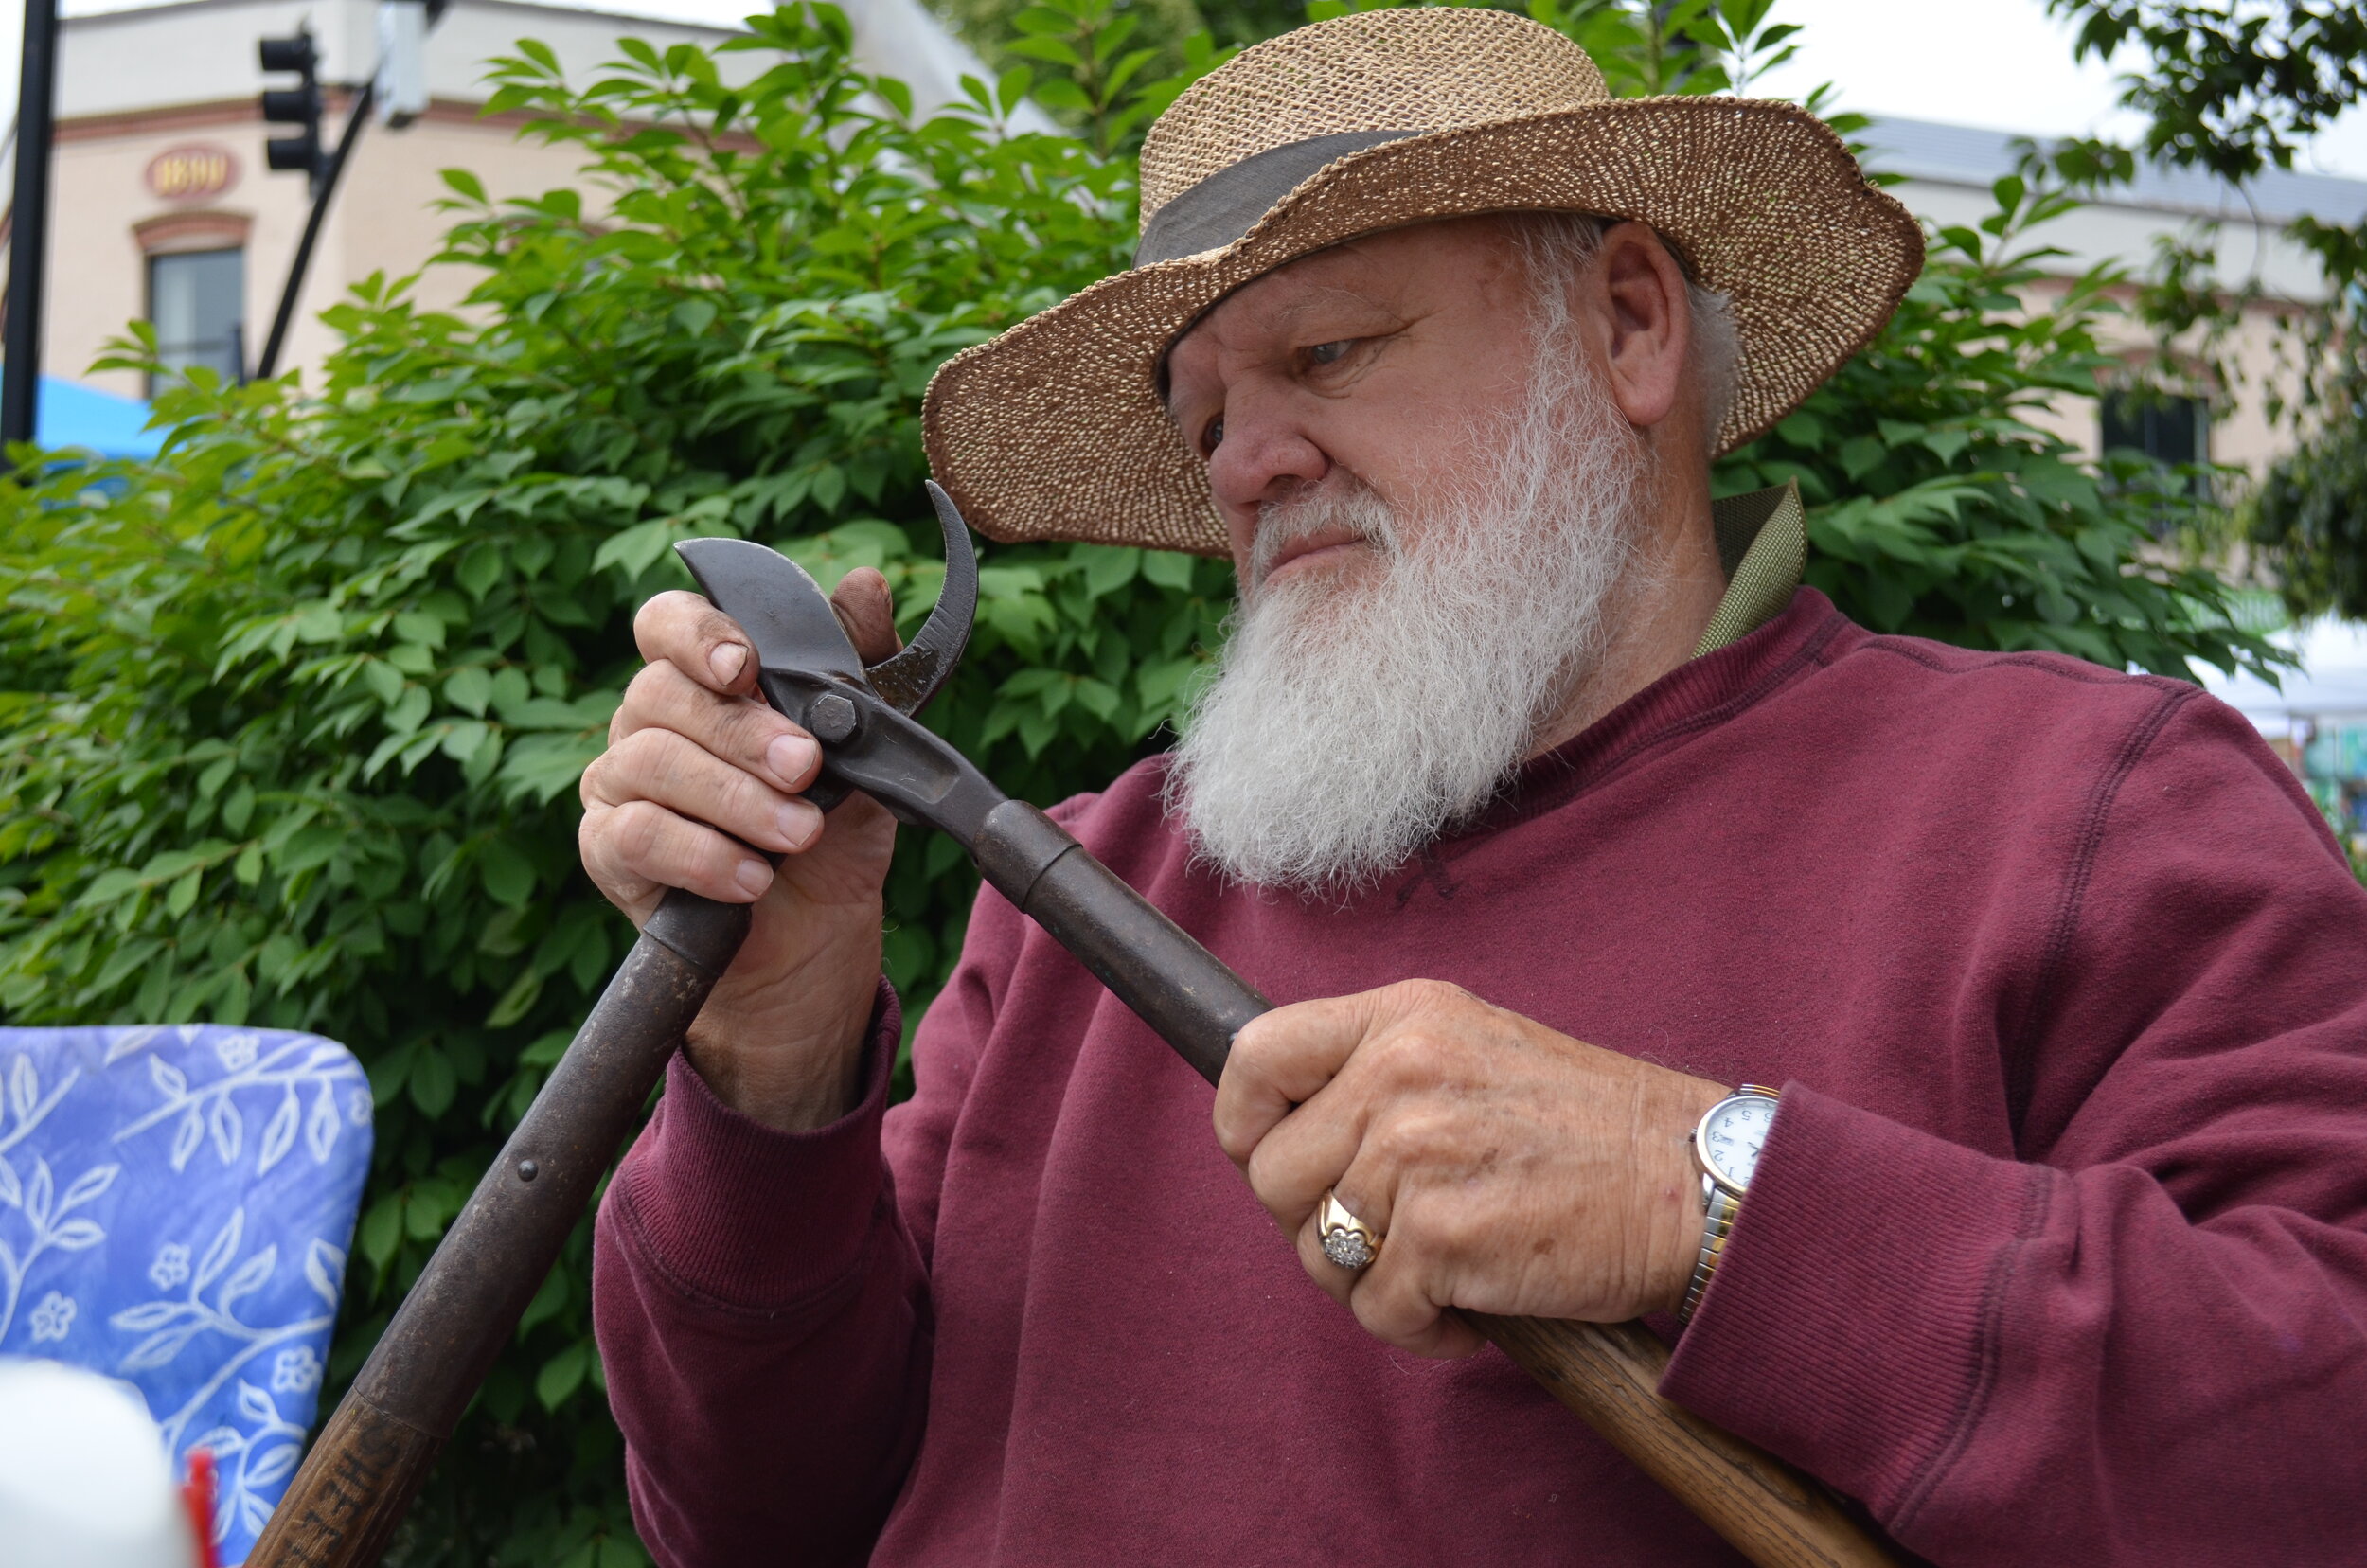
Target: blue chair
{"x": 175, "y": 1206}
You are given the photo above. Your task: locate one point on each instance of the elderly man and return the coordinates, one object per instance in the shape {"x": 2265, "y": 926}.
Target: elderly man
{"x": 1554, "y": 810}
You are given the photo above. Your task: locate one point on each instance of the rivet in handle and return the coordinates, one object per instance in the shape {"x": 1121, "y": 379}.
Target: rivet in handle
{"x": 832, "y": 718}
{"x": 528, "y": 1170}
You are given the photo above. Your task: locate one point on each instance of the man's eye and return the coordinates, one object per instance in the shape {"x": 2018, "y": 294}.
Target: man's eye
{"x": 1329, "y": 353}
{"x": 1214, "y": 434}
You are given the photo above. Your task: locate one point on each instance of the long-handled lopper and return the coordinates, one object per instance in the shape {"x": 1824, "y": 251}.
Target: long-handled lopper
{"x": 375, "y": 1453}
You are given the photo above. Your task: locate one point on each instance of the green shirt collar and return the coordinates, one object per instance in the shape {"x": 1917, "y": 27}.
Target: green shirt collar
{"x": 1763, "y": 547}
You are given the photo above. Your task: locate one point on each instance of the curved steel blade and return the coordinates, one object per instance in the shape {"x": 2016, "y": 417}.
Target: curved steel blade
{"x": 786, "y": 615}
{"x": 911, "y": 678}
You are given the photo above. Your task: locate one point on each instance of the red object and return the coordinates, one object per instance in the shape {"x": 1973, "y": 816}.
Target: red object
{"x": 197, "y": 1495}
{"x": 2056, "y": 1251}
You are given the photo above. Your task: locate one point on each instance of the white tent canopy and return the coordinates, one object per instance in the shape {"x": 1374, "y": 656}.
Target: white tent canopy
{"x": 2330, "y": 684}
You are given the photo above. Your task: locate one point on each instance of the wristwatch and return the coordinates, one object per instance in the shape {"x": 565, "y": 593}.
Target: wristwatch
{"x": 1726, "y": 1145}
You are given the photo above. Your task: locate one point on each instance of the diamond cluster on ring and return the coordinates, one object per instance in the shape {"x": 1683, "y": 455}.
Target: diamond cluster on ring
{"x": 1347, "y": 1248}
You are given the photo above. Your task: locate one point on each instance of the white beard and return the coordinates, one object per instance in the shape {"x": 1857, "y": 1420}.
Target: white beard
{"x": 1347, "y": 728}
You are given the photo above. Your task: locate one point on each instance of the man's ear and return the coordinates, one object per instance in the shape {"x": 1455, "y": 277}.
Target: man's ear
{"x": 1644, "y": 322}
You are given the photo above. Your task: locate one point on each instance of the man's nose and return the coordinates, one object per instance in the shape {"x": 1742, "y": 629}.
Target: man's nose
{"x": 1265, "y": 456}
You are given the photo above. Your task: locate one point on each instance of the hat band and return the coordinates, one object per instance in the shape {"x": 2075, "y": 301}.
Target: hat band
{"x": 1227, "y": 205}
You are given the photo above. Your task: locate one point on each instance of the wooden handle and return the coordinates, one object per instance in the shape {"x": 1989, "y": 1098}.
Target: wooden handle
{"x": 372, "y": 1458}
{"x": 1609, "y": 1373}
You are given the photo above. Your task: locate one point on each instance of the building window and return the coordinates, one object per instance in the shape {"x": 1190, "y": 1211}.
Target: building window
{"x": 2167, "y": 429}
{"x": 197, "y": 300}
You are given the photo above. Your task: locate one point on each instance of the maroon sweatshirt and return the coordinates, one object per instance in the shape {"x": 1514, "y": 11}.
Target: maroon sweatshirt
{"x": 2057, "y": 1251}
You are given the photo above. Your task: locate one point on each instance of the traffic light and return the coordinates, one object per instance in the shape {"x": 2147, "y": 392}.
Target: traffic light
{"x": 299, "y": 106}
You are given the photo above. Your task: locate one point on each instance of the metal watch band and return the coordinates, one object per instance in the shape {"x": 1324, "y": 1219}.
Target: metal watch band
{"x": 1718, "y": 1224}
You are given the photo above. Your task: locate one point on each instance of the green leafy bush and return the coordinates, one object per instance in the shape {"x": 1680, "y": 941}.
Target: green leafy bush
{"x": 294, "y": 714}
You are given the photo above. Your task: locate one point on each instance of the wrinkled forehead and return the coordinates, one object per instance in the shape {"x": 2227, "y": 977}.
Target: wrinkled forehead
{"x": 1391, "y": 273}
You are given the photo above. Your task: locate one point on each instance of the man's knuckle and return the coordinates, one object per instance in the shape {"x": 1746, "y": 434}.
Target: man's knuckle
{"x": 1425, "y": 994}
{"x": 638, "y": 830}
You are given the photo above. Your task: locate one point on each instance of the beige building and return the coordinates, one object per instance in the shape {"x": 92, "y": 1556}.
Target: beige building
{"x": 163, "y": 208}
{"x": 1947, "y": 173}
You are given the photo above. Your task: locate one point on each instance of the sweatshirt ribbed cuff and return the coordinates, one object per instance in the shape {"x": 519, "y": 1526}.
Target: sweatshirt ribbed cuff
{"x": 746, "y": 1215}
{"x": 1851, "y": 1324}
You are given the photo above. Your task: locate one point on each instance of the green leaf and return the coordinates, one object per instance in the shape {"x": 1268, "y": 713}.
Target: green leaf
{"x": 549, "y": 1301}
{"x": 183, "y": 895}
{"x": 432, "y": 1081}
{"x": 417, "y": 627}
{"x": 562, "y": 1375}
{"x": 479, "y": 570}
{"x": 1107, "y": 569}
{"x": 381, "y": 1231}
{"x": 546, "y": 1049}
{"x": 515, "y": 1002}
{"x": 508, "y": 875}
{"x": 468, "y": 690}
{"x": 1169, "y": 569}
{"x": 636, "y": 549}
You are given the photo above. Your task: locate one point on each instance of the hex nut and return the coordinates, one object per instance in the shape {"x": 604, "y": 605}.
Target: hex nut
{"x": 832, "y": 718}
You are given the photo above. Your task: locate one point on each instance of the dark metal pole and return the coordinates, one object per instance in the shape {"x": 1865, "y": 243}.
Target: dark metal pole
{"x": 28, "y": 223}
{"x": 268, "y": 364}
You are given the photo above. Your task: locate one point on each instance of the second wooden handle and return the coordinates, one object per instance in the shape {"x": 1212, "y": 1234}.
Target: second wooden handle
{"x": 1609, "y": 1373}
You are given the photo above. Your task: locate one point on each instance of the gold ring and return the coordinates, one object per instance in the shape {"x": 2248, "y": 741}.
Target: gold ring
{"x": 1348, "y": 1240}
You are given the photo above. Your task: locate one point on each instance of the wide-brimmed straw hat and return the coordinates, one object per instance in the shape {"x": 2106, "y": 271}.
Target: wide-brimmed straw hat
{"x": 1056, "y": 428}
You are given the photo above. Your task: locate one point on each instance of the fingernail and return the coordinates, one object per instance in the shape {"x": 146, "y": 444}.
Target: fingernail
{"x": 726, "y": 661}
{"x": 800, "y": 821}
{"x": 789, "y": 756}
{"x": 754, "y": 875}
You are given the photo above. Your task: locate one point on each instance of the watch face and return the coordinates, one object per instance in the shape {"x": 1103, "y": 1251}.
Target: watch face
{"x": 1732, "y": 1136}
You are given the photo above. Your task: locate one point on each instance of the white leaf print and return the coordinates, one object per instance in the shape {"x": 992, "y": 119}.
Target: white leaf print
{"x": 88, "y": 1185}
{"x": 146, "y": 1315}
{"x": 280, "y": 1134}
{"x": 168, "y": 1078}
{"x": 77, "y": 1235}
{"x": 11, "y": 1190}
{"x": 320, "y": 1129}
{"x": 24, "y": 1085}
{"x": 156, "y": 1349}
{"x": 255, "y": 1404}
{"x": 221, "y": 1250}
{"x": 186, "y": 1137}
{"x": 122, "y": 1042}
{"x": 249, "y": 1278}
{"x": 37, "y": 1194}
{"x": 271, "y": 1465}
{"x": 228, "y": 1127}
{"x": 325, "y": 1266}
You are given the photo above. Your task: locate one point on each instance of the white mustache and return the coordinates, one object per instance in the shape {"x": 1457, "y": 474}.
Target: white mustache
{"x": 1334, "y": 504}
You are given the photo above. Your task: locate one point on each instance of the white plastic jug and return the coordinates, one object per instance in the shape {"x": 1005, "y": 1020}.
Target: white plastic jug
{"x": 84, "y": 1478}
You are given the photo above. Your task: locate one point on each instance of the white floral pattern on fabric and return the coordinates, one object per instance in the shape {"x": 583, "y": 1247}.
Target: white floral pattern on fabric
{"x": 53, "y": 1317}
{"x": 223, "y": 1168}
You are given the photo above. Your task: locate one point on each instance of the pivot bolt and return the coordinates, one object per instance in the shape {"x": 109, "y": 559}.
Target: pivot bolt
{"x": 832, "y": 719}
{"x": 528, "y": 1170}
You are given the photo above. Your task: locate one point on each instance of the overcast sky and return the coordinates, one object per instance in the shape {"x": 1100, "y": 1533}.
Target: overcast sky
{"x": 2001, "y": 64}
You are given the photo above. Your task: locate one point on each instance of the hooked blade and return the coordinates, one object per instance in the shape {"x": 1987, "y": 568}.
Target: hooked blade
{"x": 911, "y": 678}
{"x": 786, "y": 615}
